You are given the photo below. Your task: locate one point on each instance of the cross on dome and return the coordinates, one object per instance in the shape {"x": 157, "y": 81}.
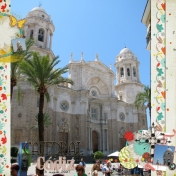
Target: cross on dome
{"x": 40, "y": 4}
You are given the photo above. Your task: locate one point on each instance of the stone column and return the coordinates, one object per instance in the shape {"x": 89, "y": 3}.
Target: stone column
{"x": 131, "y": 72}
{"x": 46, "y": 38}
{"x": 26, "y": 32}
{"x": 107, "y": 141}
{"x": 124, "y": 70}
{"x": 55, "y": 136}
{"x": 119, "y": 75}
{"x": 51, "y": 36}
{"x": 87, "y": 138}
{"x": 103, "y": 141}
{"x": 35, "y": 33}
{"x": 138, "y": 76}
{"x": 90, "y": 139}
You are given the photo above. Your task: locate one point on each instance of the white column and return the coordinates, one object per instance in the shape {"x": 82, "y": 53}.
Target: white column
{"x": 107, "y": 142}
{"x": 132, "y": 76}
{"x": 90, "y": 138}
{"x": 46, "y": 38}
{"x": 35, "y": 33}
{"x": 26, "y": 32}
{"x": 51, "y": 36}
{"x": 138, "y": 74}
{"x": 103, "y": 141}
{"x": 124, "y": 70}
{"x": 117, "y": 75}
{"x": 131, "y": 72}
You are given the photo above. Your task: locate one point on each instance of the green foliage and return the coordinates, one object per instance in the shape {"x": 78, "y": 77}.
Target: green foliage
{"x": 47, "y": 121}
{"x": 143, "y": 98}
{"x": 40, "y": 72}
{"x": 98, "y": 155}
{"x": 14, "y": 152}
{"x": 15, "y": 74}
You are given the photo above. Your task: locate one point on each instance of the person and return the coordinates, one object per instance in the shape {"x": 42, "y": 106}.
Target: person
{"x": 39, "y": 172}
{"x": 80, "y": 170}
{"x": 82, "y": 163}
{"x": 107, "y": 171}
{"x": 14, "y": 169}
{"x": 95, "y": 168}
{"x": 101, "y": 165}
{"x": 19, "y": 47}
{"x": 145, "y": 172}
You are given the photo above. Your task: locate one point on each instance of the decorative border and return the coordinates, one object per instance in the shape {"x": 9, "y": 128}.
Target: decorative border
{"x": 161, "y": 64}
{"x": 5, "y": 107}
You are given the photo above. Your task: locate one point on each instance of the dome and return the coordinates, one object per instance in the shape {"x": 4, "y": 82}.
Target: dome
{"x": 124, "y": 54}
{"x": 168, "y": 150}
{"x": 38, "y": 8}
{"x": 125, "y": 50}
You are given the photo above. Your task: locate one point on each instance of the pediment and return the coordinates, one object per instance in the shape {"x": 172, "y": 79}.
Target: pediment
{"x": 99, "y": 66}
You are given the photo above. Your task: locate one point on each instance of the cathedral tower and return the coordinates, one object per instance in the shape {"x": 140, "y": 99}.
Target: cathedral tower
{"x": 40, "y": 27}
{"x": 127, "y": 76}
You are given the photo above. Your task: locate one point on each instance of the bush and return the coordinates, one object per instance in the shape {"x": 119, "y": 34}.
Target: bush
{"x": 14, "y": 151}
{"x": 98, "y": 155}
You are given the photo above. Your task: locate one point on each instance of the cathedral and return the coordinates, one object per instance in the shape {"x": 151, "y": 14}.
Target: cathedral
{"x": 94, "y": 110}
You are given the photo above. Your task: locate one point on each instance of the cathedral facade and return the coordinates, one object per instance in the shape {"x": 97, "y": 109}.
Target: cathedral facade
{"x": 94, "y": 110}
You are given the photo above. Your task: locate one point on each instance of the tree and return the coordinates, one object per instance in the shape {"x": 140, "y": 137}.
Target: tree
{"x": 46, "y": 119}
{"x": 14, "y": 153}
{"x": 15, "y": 76}
{"x": 98, "y": 155}
{"x": 143, "y": 98}
{"x": 40, "y": 73}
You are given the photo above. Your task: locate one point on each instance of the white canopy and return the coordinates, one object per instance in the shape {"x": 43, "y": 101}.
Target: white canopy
{"x": 114, "y": 154}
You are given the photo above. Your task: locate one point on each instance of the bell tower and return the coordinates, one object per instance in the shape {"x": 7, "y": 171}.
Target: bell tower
{"x": 40, "y": 27}
{"x": 127, "y": 76}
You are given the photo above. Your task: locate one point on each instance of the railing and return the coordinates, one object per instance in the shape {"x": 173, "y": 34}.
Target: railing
{"x": 97, "y": 121}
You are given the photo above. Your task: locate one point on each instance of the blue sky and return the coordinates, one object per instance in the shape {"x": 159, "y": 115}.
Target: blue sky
{"x": 159, "y": 152}
{"x": 104, "y": 27}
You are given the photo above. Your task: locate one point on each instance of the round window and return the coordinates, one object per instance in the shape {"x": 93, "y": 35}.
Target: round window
{"x": 64, "y": 105}
{"x": 93, "y": 93}
{"x": 122, "y": 116}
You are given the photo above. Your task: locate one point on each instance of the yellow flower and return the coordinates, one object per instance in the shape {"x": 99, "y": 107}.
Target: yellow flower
{"x": 131, "y": 159}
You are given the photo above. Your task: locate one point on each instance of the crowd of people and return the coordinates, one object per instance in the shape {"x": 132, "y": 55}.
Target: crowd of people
{"x": 106, "y": 168}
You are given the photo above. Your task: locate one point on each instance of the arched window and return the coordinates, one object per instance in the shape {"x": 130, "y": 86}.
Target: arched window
{"x": 134, "y": 71}
{"x": 94, "y": 113}
{"x": 121, "y": 72}
{"x": 120, "y": 97}
{"x": 128, "y": 71}
{"x": 31, "y": 33}
{"x": 41, "y": 35}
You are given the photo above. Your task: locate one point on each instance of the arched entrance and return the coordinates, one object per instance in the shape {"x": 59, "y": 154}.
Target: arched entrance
{"x": 94, "y": 141}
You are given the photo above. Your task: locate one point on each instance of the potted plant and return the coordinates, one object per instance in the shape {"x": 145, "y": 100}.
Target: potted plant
{"x": 98, "y": 155}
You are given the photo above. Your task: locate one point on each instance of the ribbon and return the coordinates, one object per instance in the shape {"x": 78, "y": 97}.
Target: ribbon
{"x": 170, "y": 135}
{"x": 149, "y": 167}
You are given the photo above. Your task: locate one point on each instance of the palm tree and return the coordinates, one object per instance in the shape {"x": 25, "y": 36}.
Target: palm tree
{"x": 15, "y": 76}
{"x": 144, "y": 98}
{"x": 46, "y": 119}
{"x": 40, "y": 73}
